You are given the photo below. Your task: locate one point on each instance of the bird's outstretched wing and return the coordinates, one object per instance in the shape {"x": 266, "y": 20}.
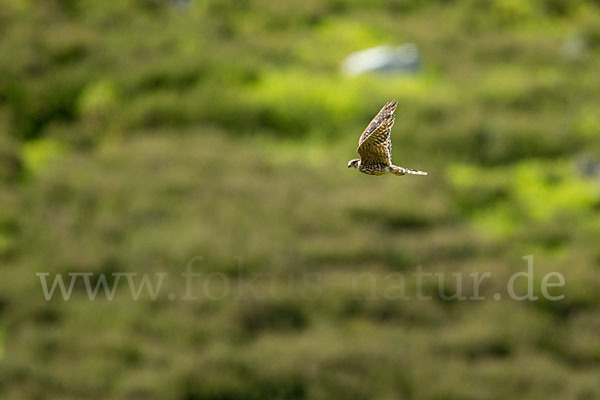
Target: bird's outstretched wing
{"x": 375, "y": 144}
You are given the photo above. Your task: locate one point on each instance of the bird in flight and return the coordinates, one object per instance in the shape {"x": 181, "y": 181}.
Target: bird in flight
{"x": 375, "y": 146}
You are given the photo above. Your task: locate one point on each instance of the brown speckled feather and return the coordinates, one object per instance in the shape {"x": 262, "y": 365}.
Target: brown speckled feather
{"x": 375, "y": 145}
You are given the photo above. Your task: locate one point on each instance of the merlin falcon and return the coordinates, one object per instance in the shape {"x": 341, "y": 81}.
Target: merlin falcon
{"x": 375, "y": 146}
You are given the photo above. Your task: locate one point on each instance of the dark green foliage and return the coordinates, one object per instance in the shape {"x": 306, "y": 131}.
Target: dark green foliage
{"x": 256, "y": 316}
{"x": 137, "y": 135}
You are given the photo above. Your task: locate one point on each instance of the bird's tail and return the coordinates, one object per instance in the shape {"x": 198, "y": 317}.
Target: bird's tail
{"x": 396, "y": 170}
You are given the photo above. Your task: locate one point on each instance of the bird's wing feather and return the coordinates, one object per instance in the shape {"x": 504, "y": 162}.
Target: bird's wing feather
{"x": 375, "y": 144}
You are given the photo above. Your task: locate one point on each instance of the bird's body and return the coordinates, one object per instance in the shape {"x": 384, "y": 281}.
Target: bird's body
{"x": 382, "y": 169}
{"x": 375, "y": 146}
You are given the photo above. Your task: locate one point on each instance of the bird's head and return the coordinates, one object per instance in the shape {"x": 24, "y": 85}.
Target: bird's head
{"x": 354, "y": 163}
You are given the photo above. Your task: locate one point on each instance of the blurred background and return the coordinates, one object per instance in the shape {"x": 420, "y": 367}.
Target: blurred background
{"x": 138, "y": 134}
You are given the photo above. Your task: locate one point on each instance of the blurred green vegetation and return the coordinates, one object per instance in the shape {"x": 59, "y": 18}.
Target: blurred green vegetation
{"x": 136, "y": 135}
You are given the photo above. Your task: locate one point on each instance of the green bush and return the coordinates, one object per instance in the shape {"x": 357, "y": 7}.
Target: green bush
{"x": 137, "y": 135}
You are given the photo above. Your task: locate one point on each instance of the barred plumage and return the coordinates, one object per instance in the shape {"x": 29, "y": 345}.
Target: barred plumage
{"x": 375, "y": 146}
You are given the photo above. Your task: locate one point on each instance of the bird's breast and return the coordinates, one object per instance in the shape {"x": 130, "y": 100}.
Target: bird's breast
{"x": 374, "y": 169}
